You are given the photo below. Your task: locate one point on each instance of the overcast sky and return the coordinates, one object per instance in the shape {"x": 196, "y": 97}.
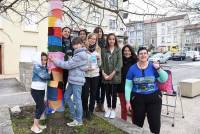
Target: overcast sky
{"x": 154, "y": 7}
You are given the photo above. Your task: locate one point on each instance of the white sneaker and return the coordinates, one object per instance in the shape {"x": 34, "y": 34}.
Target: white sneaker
{"x": 112, "y": 114}
{"x": 74, "y": 123}
{"x": 36, "y": 130}
{"x": 107, "y": 114}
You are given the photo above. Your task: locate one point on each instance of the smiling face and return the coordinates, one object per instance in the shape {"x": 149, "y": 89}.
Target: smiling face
{"x": 100, "y": 34}
{"x": 92, "y": 40}
{"x": 44, "y": 60}
{"x": 66, "y": 32}
{"x": 83, "y": 35}
{"x": 111, "y": 40}
{"x": 127, "y": 52}
{"x": 143, "y": 56}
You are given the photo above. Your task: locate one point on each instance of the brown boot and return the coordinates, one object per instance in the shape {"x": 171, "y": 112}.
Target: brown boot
{"x": 102, "y": 108}
{"x": 98, "y": 108}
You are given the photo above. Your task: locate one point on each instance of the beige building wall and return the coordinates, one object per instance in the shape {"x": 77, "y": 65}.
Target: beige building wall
{"x": 12, "y": 37}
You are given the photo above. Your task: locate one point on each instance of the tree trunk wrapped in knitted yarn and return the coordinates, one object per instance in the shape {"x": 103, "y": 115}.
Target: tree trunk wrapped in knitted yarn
{"x": 55, "y": 101}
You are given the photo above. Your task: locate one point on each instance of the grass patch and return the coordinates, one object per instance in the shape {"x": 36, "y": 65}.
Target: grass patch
{"x": 56, "y": 124}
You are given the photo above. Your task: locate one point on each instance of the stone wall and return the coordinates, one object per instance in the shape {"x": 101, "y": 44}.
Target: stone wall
{"x": 25, "y": 70}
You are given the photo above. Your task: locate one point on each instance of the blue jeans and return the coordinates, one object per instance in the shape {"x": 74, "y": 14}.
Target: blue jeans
{"x": 75, "y": 105}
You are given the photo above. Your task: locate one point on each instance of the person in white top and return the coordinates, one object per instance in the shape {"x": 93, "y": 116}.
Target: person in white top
{"x": 39, "y": 83}
{"x": 92, "y": 75}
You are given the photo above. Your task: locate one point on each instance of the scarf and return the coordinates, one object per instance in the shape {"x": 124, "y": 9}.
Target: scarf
{"x": 92, "y": 48}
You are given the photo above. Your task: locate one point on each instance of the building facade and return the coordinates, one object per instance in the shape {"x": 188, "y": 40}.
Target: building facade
{"x": 135, "y": 32}
{"x": 89, "y": 18}
{"x": 150, "y": 33}
{"x": 192, "y": 37}
{"x": 20, "y": 40}
{"x": 170, "y": 31}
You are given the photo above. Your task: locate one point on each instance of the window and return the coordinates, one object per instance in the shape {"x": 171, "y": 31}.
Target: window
{"x": 163, "y": 24}
{"x": 163, "y": 40}
{"x": 169, "y": 29}
{"x": 30, "y": 21}
{"x": 113, "y": 3}
{"x": 112, "y": 24}
{"x": 26, "y": 53}
{"x": 95, "y": 18}
{"x": 152, "y": 41}
{"x": 138, "y": 34}
{"x": 132, "y": 34}
{"x": 175, "y": 39}
{"x": 162, "y": 31}
{"x": 168, "y": 39}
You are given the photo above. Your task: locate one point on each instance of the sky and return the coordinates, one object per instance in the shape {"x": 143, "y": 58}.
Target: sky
{"x": 154, "y": 7}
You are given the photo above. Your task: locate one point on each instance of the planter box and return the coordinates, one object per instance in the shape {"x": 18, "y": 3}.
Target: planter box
{"x": 190, "y": 87}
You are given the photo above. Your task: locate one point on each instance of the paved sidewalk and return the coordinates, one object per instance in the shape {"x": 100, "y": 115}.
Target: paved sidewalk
{"x": 5, "y": 122}
{"x": 189, "y": 125}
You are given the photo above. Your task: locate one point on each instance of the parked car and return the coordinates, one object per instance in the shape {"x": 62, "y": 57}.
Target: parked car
{"x": 179, "y": 56}
{"x": 193, "y": 55}
{"x": 168, "y": 55}
{"x": 161, "y": 58}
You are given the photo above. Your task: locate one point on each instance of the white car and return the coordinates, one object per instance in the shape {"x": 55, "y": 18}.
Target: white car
{"x": 194, "y": 55}
{"x": 161, "y": 58}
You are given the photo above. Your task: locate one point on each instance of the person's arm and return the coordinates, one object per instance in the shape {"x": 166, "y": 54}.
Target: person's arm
{"x": 118, "y": 66}
{"x": 41, "y": 72}
{"x": 128, "y": 84}
{"x": 128, "y": 89}
{"x": 99, "y": 60}
{"x": 74, "y": 62}
{"x": 163, "y": 76}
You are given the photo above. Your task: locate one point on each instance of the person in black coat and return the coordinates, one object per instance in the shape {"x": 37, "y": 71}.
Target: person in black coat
{"x": 129, "y": 58}
{"x": 100, "y": 94}
{"x": 67, "y": 50}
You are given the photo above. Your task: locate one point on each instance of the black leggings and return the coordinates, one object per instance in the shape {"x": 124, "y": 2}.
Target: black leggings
{"x": 38, "y": 96}
{"x": 111, "y": 92}
{"x": 89, "y": 89}
{"x": 149, "y": 104}
{"x": 100, "y": 93}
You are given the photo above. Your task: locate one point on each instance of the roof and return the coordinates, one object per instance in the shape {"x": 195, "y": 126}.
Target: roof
{"x": 133, "y": 22}
{"x": 153, "y": 20}
{"x": 178, "y": 17}
{"x": 192, "y": 26}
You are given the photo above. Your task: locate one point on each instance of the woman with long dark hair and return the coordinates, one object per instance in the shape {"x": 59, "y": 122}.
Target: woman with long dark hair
{"x": 67, "y": 49}
{"x": 129, "y": 58}
{"x": 83, "y": 35}
{"x": 111, "y": 72}
{"x": 100, "y": 94}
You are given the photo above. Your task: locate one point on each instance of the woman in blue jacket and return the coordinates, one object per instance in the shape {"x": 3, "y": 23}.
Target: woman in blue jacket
{"x": 38, "y": 86}
{"x": 142, "y": 93}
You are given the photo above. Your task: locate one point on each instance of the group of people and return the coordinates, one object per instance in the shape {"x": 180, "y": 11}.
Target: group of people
{"x": 95, "y": 67}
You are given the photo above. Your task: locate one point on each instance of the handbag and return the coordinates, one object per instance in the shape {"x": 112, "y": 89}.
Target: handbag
{"x": 167, "y": 86}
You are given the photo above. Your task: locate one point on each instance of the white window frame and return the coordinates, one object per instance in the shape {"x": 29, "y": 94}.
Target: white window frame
{"x": 112, "y": 24}
{"x": 95, "y": 18}
{"x": 29, "y": 56}
{"x": 29, "y": 22}
{"x": 113, "y": 3}
{"x": 162, "y": 39}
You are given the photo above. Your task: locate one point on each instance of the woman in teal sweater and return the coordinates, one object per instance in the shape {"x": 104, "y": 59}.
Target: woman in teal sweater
{"x": 142, "y": 93}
